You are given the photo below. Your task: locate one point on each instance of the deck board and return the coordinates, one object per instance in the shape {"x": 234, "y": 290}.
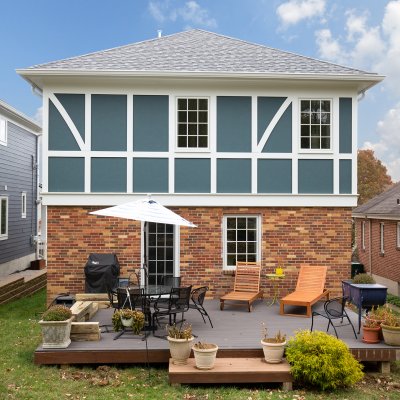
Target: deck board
{"x": 236, "y": 331}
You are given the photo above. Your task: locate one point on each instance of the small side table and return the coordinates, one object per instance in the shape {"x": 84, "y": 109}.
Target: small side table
{"x": 274, "y": 278}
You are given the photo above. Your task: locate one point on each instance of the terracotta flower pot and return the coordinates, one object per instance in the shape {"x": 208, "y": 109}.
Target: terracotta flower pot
{"x": 180, "y": 349}
{"x": 371, "y": 335}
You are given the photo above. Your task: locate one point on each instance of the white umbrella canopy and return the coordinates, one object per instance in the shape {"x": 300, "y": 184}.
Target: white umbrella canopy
{"x": 147, "y": 210}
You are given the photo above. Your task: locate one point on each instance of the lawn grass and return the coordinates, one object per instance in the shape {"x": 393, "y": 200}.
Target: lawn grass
{"x": 21, "y": 379}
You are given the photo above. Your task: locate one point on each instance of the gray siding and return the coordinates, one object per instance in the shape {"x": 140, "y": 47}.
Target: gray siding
{"x": 345, "y": 125}
{"x": 316, "y": 176}
{"x": 17, "y": 174}
{"x": 274, "y": 176}
{"x": 233, "y": 176}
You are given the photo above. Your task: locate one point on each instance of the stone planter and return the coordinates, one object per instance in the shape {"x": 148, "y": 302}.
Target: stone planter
{"x": 273, "y": 352}
{"x": 180, "y": 349}
{"x": 391, "y": 335}
{"x": 56, "y": 334}
{"x": 205, "y": 358}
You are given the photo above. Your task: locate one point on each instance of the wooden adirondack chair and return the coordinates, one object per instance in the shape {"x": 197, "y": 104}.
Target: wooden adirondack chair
{"x": 309, "y": 289}
{"x": 247, "y": 285}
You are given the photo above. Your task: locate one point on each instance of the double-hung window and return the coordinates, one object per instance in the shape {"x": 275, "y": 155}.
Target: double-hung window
{"x": 241, "y": 239}
{"x": 3, "y": 217}
{"x": 382, "y": 237}
{"x": 192, "y": 123}
{"x": 363, "y": 235}
{"x": 3, "y": 132}
{"x": 23, "y": 205}
{"x": 398, "y": 235}
{"x": 315, "y": 125}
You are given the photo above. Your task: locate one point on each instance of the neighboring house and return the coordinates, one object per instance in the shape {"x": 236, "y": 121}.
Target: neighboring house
{"x": 19, "y": 137}
{"x": 378, "y": 237}
{"x": 256, "y": 146}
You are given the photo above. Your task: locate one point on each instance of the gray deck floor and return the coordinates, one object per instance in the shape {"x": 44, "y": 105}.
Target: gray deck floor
{"x": 234, "y": 328}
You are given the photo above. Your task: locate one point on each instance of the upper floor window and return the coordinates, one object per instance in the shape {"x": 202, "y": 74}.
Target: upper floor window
{"x": 398, "y": 235}
{"x": 3, "y": 131}
{"x": 241, "y": 239}
{"x": 23, "y": 205}
{"x": 315, "y": 124}
{"x": 3, "y": 218}
{"x": 192, "y": 123}
{"x": 382, "y": 237}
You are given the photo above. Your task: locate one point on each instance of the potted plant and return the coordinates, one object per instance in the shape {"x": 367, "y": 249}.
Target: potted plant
{"x": 371, "y": 330}
{"x": 391, "y": 329}
{"x": 205, "y": 355}
{"x": 273, "y": 347}
{"x": 56, "y": 327}
{"x": 378, "y": 314}
{"x": 180, "y": 342}
{"x": 127, "y": 318}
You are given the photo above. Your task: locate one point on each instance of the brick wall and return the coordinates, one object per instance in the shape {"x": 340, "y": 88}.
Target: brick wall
{"x": 290, "y": 236}
{"x": 386, "y": 265}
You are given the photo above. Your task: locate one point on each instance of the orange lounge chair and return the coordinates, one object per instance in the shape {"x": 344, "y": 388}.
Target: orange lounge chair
{"x": 309, "y": 289}
{"x": 247, "y": 285}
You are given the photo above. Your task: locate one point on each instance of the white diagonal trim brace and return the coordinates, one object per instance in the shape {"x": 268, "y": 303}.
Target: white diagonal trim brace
{"x": 273, "y": 123}
{"x": 68, "y": 121}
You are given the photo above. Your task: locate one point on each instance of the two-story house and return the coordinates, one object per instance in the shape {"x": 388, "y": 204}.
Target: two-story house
{"x": 19, "y": 138}
{"x": 254, "y": 145}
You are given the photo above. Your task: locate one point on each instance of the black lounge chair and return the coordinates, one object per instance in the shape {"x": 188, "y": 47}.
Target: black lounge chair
{"x": 197, "y": 296}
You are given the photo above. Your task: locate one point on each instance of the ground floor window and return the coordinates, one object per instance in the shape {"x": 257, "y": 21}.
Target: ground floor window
{"x": 382, "y": 237}
{"x": 160, "y": 251}
{"x": 3, "y": 218}
{"x": 241, "y": 235}
{"x": 398, "y": 235}
{"x": 363, "y": 235}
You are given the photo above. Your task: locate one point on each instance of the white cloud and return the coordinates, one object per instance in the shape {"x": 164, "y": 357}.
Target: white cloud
{"x": 191, "y": 13}
{"x": 329, "y": 48}
{"x": 387, "y": 148}
{"x": 293, "y": 11}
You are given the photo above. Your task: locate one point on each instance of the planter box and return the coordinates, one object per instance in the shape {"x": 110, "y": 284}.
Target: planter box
{"x": 364, "y": 295}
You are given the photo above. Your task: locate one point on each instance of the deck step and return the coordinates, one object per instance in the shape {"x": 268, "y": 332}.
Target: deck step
{"x": 232, "y": 370}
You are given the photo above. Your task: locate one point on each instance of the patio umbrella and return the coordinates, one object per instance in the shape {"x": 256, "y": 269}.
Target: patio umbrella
{"x": 146, "y": 210}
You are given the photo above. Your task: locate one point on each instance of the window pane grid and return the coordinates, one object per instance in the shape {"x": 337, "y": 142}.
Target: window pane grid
{"x": 315, "y": 120}
{"x": 192, "y": 123}
{"x": 241, "y": 240}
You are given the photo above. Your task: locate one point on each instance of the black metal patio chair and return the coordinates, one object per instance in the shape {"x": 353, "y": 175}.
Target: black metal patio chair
{"x": 197, "y": 296}
{"x": 334, "y": 309}
{"x": 178, "y": 303}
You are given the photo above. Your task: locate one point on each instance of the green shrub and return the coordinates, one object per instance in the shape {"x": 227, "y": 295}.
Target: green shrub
{"x": 363, "y": 278}
{"x": 57, "y": 313}
{"x": 392, "y": 299}
{"x": 321, "y": 360}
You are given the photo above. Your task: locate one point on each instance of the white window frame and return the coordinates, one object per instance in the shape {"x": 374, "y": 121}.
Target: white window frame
{"x": 23, "y": 205}
{"x": 224, "y": 238}
{"x": 382, "y": 237}
{"x": 363, "y": 235}
{"x": 398, "y": 235}
{"x": 192, "y": 149}
{"x": 3, "y": 131}
{"x": 4, "y": 236}
{"x": 320, "y": 150}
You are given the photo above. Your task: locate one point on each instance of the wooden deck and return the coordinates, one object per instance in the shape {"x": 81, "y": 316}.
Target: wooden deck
{"x": 236, "y": 331}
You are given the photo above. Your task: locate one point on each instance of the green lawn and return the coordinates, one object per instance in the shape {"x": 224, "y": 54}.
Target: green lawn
{"x": 21, "y": 379}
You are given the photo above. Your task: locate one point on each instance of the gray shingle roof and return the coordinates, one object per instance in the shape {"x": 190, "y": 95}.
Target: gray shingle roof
{"x": 198, "y": 51}
{"x": 384, "y": 204}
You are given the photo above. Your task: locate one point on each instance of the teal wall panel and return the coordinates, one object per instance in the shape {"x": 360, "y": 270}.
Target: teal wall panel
{"x": 315, "y": 176}
{"x": 109, "y": 122}
{"x": 345, "y": 176}
{"x": 233, "y": 176}
{"x": 345, "y": 125}
{"x": 60, "y": 136}
{"x": 267, "y": 107}
{"x": 150, "y": 123}
{"x": 233, "y": 124}
{"x": 74, "y": 105}
{"x": 108, "y": 175}
{"x": 66, "y": 174}
{"x": 150, "y": 175}
{"x": 280, "y": 140}
{"x": 274, "y": 176}
{"x": 192, "y": 175}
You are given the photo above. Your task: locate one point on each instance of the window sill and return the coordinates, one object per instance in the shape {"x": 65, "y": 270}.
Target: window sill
{"x": 315, "y": 151}
{"x": 191, "y": 150}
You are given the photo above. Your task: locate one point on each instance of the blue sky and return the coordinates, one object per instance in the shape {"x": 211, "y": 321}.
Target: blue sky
{"x": 361, "y": 33}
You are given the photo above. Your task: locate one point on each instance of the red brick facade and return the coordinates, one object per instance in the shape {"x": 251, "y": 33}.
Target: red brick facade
{"x": 386, "y": 265}
{"x": 290, "y": 236}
